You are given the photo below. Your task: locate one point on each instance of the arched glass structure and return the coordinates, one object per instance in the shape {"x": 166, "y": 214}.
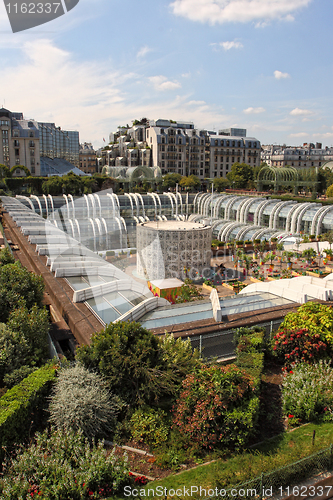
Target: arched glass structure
{"x": 247, "y": 218}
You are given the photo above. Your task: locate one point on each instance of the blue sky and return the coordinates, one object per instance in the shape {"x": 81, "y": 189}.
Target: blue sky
{"x": 264, "y": 65}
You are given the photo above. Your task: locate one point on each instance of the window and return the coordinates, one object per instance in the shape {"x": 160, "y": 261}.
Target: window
{"x": 15, "y": 133}
{"x": 32, "y": 170}
{"x": 31, "y": 134}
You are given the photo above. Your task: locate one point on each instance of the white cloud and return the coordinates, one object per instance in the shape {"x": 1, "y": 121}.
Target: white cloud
{"x": 300, "y": 112}
{"x": 143, "y": 51}
{"x": 221, "y": 11}
{"x": 227, "y": 45}
{"x": 299, "y": 134}
{"x": 253, "y": 111}
{"x": 197, "y": 103}
{"x": 77, "y": 96}
{"x": 161, "y": 83}
{"x": 279, "y": 75}
{"x": 93, "y": 98}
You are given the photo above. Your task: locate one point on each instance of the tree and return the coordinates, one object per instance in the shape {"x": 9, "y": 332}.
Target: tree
{"x": 191, "y": 182}
{"x": 17, "y": 284}
{"x": 240, "y": 175}
{"x": 23, "y": 341}
{"x": 221, "y": 183}
{"x": 329, "y": 238}
{"x": 309, "y": 254}
{"x": 81, "y": 401}
{"x": 4, "y": 171}
{"x": 170, "y": 180}
{"x": 6, "y": 257}
{"x": 128, "y": 356}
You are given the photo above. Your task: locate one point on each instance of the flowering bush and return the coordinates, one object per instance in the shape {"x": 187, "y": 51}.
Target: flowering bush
{"x": 307, "y": 391}
{"x": 313, "y": 316}
{"x": 299, "y": 345}
{"x": 63, "y": 465}
{"x": 217, "y": 407}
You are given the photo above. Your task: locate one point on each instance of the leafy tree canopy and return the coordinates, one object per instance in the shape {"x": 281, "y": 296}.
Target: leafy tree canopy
{"x": 17, "y": 284}
{"x": 139, "y": 367}
{"x": 221, "y": 183}
{"x": 170, "y": 180}
{"x": 240, "y": 175}
{"x": 129, "y": 358}
{"x": 23, "y": 340}
{"x": 190, "y": 182}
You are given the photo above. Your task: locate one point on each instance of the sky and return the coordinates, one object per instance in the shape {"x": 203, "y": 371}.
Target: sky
{"x": 263, "y": 65}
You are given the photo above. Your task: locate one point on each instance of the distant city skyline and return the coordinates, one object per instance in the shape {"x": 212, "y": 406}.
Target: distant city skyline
{"x": 261, "y": 65}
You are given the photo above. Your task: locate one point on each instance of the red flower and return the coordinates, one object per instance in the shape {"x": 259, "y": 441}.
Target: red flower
{"x": 290, "y": 416}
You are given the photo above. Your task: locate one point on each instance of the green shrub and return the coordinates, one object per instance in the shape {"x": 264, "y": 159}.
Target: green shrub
{"x": 20, "y": 406}
{"x": 81, "y": 401}
{"x": 6, "y": 257}
{"x": 307, "y": 391}
{"x": 215, "y": 407}
{"x": 150, "y": 426}
{"x": 17, "y": 376}
{"x": 16, "y": 283}
{"x": 23, "y": 340}
{"x": 63, "y": 465}
{"x": 315, "y": 317}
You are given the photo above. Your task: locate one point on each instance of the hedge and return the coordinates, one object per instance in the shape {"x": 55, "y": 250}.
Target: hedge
{"x": 249, "y": 352}
{"x": 23, "y": 405}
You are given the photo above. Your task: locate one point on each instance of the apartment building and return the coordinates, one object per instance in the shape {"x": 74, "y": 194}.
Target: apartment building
{"x": 88, "y": 158}
{"x": 20, "y": 142}
{"x": 27, "y": 142}
{"x": 58, "y": 143}
{"x": 180, "y": 148}
{"x": 308, "y": 155}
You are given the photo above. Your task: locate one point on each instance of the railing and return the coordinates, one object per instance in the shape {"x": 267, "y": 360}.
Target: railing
{"x": 283, "y": 481}
{"x": 221, "y": 344}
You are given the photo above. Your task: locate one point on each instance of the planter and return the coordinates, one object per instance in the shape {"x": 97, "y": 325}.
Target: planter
{"x": 311, "y": 273}
{"x": 230, "y": 287}
{"x": 207, "y": 287}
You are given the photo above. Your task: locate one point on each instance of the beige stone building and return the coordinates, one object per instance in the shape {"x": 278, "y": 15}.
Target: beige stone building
{"x": 19, "y": 142}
